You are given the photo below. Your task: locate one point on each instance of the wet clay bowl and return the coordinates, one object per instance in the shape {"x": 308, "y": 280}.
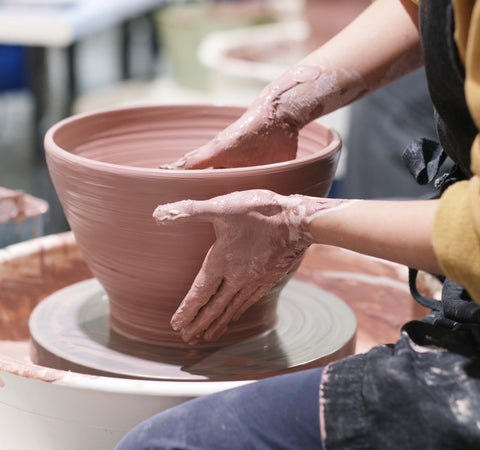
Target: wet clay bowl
{"x": 104, "y": 167}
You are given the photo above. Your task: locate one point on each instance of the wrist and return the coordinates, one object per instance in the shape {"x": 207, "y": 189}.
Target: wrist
{"x": 306, "y": 92}
{"x": 289, "y": 101}
{"x": 304, "y": 210}
{"x": 317, "y": 209}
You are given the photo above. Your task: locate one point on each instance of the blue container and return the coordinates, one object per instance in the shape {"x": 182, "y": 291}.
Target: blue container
{"x": 13, "y": 68}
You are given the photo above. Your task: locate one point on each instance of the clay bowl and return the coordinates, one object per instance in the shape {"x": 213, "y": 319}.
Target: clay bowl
{"x": 104, "y": 167}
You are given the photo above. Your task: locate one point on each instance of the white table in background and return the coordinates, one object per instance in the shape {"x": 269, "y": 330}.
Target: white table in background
{"x": 42, "y": 24}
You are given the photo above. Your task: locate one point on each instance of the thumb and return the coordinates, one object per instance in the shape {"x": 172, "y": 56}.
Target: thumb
{"x": 201, "y": 158}
{"x": 185, "y": 211}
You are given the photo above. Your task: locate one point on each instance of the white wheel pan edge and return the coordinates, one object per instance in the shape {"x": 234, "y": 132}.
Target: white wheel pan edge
{"x": 81, "y": 411}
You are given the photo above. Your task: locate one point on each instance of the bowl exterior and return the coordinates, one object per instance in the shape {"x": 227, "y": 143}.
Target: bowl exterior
{"x": 145, "y": 269}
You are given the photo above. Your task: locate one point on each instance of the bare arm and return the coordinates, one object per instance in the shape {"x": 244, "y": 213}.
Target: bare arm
{"x": 381, "y": 45}
{"x": 399, "y": 231}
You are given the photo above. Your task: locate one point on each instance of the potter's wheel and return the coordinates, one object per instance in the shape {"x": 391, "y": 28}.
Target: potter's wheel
{"x": 70, "y": 330}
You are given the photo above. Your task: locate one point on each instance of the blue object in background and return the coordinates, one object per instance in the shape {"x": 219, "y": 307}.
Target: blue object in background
{"x": 13, "y": 68}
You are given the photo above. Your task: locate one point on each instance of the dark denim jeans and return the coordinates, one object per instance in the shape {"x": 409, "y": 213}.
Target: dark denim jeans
{"x": 275, "y": 413}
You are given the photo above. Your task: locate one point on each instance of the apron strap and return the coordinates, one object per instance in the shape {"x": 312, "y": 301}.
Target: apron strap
{"x": 424, "y": 301}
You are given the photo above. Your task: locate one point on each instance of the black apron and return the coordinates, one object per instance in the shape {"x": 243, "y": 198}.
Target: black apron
{"x": 424, "y": 391}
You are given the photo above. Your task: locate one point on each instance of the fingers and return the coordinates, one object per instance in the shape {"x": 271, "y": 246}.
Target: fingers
{"x": 254, "y": 298}
{"x": 198, "y": 160}
{"x": 203, "y": 289}
{"x": 187, "y": 162}
{"x": 223, "y": 307}
{"x": 178, "y": 164}
{"x": 201, "y": 158}
{"x": 220, "y": 325}
{"x": 174, "y": 212}
{"x": 186, "y": 211}
{"x": 208, "y": 314}
{"x": 264, "y": 202}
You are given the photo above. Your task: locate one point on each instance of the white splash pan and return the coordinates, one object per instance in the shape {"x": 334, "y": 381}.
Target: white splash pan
{"x": 43, "y": 408}
{"x": 49, "y": 409}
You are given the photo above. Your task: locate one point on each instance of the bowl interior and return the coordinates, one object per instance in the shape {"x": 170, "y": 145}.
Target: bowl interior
{"x": 147, "y": 137}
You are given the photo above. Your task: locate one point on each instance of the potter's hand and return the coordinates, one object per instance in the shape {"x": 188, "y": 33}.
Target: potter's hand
{"x": 268, "y": 131}
{"x": 254, "y": 139}
{"x": 339, "y": 72}
{"x": 260, "y": 238}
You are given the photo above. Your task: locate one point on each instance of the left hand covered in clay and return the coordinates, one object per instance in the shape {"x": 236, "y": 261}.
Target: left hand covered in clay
{"x": 260, "y": 237}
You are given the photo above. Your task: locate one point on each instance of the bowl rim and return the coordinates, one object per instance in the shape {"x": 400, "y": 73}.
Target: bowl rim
{"x": 53, "y": 149}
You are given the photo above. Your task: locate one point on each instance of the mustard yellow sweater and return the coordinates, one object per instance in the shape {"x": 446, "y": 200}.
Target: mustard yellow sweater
{"x": 456, "y": 234}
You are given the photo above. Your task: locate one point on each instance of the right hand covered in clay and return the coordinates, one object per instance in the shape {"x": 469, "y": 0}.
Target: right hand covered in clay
{"x": 261, "y": 236}
{"x": 256, "y": 138}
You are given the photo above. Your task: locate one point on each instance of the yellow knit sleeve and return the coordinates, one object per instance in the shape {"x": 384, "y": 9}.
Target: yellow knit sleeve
{"x": 456, "y": 234}
{"x": 456, "y": 239}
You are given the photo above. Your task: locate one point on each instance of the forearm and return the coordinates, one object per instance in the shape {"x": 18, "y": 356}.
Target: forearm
{"x": 398, "y": 231}
{"x": 379, "y": 46}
